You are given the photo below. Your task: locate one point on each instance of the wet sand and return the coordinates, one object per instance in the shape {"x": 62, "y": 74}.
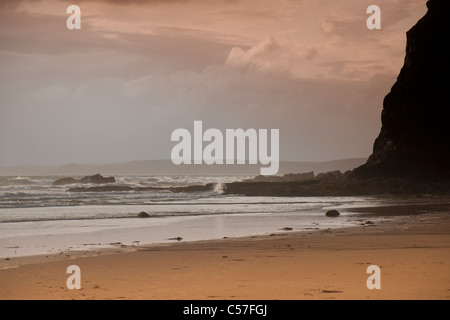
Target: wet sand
{"x": 413, "y": 253}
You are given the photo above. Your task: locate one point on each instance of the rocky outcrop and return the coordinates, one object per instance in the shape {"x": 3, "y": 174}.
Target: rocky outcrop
{"x": 290, "y": 177}
{"x": 95, "y": 179}
{"x": 329, "y": 177}
{"x": 415, "y": 136}
{"x": 64, "y": 181}
{"x": 98, "y": 179}
{"x": 102, "y": 189}
{"x": 125, "y": 188}
{"x": 346, "y": 186}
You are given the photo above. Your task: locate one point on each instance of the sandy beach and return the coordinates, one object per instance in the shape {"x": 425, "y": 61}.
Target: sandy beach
{"x": 194, "y": 150}
{"x": 413, "y": 253}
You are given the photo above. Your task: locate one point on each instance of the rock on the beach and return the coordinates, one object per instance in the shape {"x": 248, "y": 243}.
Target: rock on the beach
{"x": 143, "y": 215}
{"x": 332, "y": 213}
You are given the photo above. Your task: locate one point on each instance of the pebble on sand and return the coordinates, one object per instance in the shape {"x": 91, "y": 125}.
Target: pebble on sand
{"x": 332, "y": 213}
{"x": 143, "y": 215}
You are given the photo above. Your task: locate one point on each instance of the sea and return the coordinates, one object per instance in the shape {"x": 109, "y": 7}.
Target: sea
{"x": 37, "y": 217}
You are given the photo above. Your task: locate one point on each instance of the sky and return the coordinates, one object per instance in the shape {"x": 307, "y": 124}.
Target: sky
{"x": 116, "y": 89}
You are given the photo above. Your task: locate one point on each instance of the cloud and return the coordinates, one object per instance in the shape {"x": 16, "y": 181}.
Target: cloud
{"x": 116, "y": 90}
{"x": 51, "y": 50}
{"x": 351, "y": 69}
{"x": 310, "y": 53}
{"x": 317, "y": 118}
{"x": 12, "y": 4}
{"x": 271, "y": 56}
{"x": 351, "y": 26}
{"x": 109, "y": 119}
{"x": 55, "y": 91}
{"x": 354, "y": 52}
{"x": 343, "y": 26}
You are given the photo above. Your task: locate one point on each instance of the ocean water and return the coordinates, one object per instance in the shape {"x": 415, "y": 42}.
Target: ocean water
{"x": 38, "y": 218}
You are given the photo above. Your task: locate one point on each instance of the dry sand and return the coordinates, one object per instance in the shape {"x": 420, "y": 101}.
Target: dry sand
{"x": 412, "y": 252}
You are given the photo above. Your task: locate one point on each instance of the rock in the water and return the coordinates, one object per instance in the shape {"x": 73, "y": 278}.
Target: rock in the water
{"x": 332, "y": 213}
{"x": 290, "y": 177}
{"x": 96, "y": 179}
{"x": 102, "y": 189}
{"x": 143, "y": 215}
{"x": 64, "y": 181}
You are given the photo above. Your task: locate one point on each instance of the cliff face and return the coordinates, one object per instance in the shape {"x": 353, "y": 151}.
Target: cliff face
{"x": 412, "y": 152}
{"x": 415, "y": 136}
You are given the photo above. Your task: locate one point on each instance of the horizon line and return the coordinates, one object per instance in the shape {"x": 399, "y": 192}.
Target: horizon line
{"x": 169, "y": 160}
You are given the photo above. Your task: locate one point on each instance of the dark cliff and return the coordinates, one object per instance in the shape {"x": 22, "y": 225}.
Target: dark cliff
{"x": 412, "y": 152}
{"x": 415, "y": 136}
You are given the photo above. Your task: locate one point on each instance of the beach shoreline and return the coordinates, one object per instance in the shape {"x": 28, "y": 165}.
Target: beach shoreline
{"x": 413, "y": 253}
